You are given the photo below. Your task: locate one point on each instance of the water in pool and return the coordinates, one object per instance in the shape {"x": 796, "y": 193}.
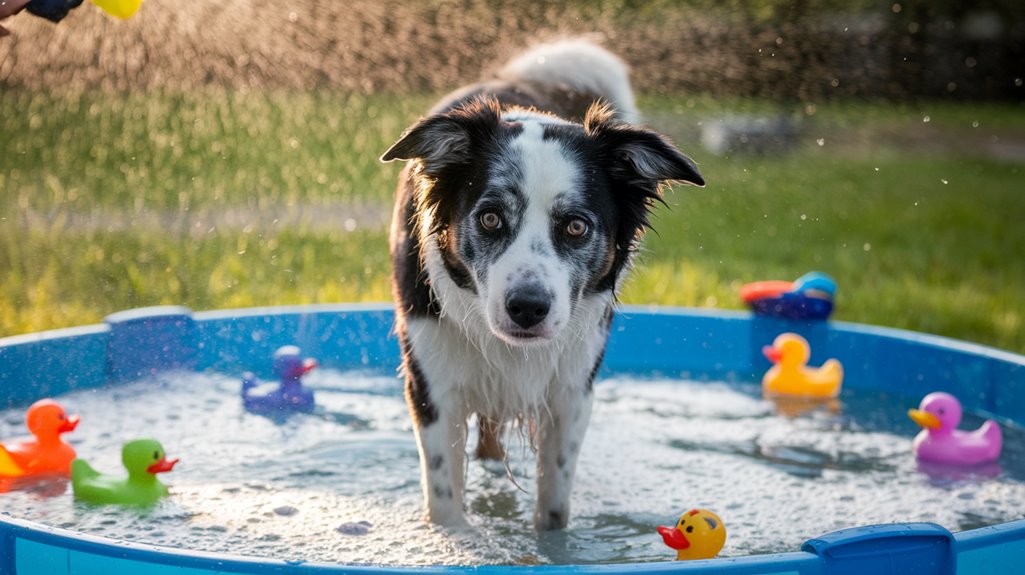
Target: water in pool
{"x": 342, "y": 484}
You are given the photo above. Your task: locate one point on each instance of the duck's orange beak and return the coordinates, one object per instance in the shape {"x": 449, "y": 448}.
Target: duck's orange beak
{"x": 924, "y": 418}
{"x": 673, "y": 537}
{"x": 772, "y": 353}
{"x": 162, "y": 466}
{"x": 69, "y": 424}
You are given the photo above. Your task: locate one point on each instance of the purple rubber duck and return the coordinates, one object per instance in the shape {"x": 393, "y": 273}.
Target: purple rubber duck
{"x": 290, "y": 366}
{"x": 941, "y": 442}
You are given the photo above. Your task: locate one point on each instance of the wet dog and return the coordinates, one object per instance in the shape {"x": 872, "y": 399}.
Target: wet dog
{"x": 515, "y": 222}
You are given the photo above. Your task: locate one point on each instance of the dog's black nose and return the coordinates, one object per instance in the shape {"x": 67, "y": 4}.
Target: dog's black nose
{"x": 528, "y": 306}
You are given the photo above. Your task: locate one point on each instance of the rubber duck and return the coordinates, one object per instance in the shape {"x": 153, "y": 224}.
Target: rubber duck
{"x": 143, "y": 458}
{"x": 808, "y": 297}
{"x": 699, "y": 534}
{"x": 47, "y": 454}
{"x": 792, "y": 376}
{"x": 941, "y": 442}
{"x": 290, "y": 395}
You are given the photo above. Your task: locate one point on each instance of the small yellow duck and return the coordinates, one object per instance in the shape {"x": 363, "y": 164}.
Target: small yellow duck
{"x": 699, "y": 534}
{"x": 791, "y": 375}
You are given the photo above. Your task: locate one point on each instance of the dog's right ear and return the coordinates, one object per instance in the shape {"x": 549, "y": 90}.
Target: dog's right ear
{"x": 437, "y": 139}
{"x": 446, "y": 139}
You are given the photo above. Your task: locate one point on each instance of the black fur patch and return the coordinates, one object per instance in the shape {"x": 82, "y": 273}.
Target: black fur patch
{"x": 417, "y": 394}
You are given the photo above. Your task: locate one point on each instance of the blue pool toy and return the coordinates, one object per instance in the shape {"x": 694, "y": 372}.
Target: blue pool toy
{"x": 808, "y": 297}
{"x": 290, "y": 367}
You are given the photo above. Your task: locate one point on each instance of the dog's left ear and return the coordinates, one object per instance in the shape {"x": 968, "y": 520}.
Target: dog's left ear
{"x": 638, "y": 156}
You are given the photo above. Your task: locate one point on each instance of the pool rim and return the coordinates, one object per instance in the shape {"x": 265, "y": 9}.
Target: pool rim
{"x": 184, "y": 328}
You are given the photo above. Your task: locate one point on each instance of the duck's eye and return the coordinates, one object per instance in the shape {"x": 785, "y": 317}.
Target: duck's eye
{"x": 490, "y": 221}
{"x": 690, "y": 529}
{"x": 576, "y": 228}
{"x": 156, "y": 455}
{"x": 60, "y": 417}
{"x": 943, "y": 411}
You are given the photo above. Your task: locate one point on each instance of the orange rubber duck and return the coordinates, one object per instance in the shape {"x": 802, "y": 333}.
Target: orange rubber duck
{"x": 791, "y": 375}
{"x": 48, "y": 454}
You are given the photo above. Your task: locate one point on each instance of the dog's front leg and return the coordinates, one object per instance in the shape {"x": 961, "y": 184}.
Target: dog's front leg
{"x": 561, "y": 430}
{"x": 442, "y": 452}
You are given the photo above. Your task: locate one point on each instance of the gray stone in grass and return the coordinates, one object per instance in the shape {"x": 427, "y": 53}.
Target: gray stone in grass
{"x": 749, "y": 135}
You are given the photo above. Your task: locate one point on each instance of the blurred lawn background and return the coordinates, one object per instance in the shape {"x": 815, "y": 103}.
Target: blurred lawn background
{"x": 219, "y": 197}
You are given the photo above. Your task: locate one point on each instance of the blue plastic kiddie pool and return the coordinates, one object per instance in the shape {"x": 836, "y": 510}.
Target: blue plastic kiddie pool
{"x": 697, "y": 344}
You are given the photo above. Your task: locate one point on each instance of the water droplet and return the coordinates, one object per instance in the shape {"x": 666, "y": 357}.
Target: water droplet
{"x": 867, "y": 247}
{"x": 944, "y": 180}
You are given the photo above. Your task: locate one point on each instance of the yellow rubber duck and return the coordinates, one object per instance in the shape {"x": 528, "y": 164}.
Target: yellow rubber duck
{"x": 791, "y": 376}
{"x": 699, "y": 534}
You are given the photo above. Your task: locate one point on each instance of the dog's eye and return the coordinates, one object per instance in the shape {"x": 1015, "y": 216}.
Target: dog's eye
{"x": 576, "y": 227}
{"x": 490, "y": 221}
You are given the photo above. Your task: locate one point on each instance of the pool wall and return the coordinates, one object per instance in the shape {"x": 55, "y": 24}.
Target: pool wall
{"x": 696, "y": 344}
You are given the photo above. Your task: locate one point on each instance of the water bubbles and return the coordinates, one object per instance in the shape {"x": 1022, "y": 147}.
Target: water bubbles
{"x": 804, "y": 217}
{"x": 821, "y": 142}
{"x": 926, "y": 119}
{"x": 867, "y": 247}
{"x": 944, "y": 180}
{"x": 975, "y": 123}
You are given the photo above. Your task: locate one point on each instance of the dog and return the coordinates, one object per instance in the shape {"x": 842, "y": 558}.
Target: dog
{"x": 516, "y": 218}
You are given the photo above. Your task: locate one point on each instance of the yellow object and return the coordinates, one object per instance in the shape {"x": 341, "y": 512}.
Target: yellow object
{"x": 119, "y": 8}
{"x": 791, "y": 375}
{"x": 925, "y": 419}
{"x": 699, "y": 534}
{"x": 8, "y": 467}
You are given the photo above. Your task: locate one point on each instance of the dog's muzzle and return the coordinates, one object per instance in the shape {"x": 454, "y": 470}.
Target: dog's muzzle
{"x": 528, "y": 306}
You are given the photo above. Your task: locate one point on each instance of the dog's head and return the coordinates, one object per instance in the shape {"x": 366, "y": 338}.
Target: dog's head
{"x": 533, "y": 214}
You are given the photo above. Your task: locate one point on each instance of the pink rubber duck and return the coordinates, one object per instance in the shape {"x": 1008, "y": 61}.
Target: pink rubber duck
{"x": 940, "y": 441}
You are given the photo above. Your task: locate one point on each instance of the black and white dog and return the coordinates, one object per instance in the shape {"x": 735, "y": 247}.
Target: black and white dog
{"x": 514, "y": 224}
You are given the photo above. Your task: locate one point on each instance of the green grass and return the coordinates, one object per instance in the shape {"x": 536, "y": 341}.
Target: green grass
{"x": 216, "y": 200}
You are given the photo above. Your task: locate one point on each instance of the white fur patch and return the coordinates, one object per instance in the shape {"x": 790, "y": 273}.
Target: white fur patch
{"x": 545, "y": 173}
{"x": 581, "y": 65}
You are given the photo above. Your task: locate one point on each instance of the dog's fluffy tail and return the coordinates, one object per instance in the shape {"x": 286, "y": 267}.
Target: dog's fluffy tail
{"x": 576, "y": 66}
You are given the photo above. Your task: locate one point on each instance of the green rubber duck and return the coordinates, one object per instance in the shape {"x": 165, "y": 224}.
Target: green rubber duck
{"x": 143, "y": 458}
